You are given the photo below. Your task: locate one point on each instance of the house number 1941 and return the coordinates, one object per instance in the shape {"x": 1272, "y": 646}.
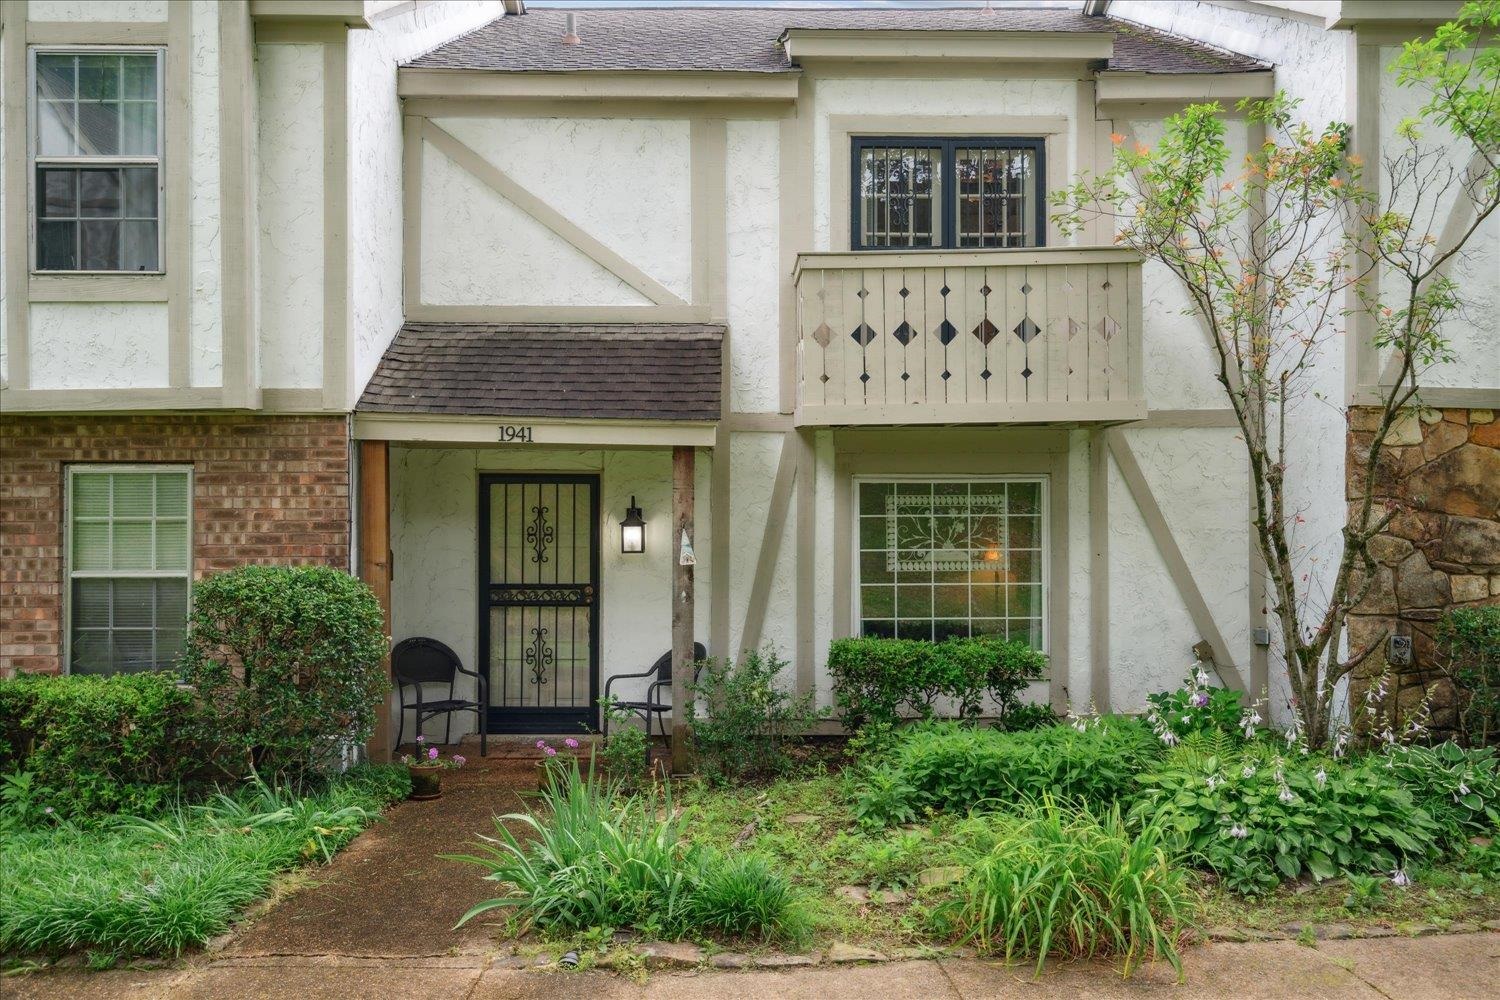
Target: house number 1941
{"x": 515, "y": 432}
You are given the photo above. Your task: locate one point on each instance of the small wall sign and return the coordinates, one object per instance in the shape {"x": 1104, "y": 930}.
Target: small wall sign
{"x": 516, "y": 432}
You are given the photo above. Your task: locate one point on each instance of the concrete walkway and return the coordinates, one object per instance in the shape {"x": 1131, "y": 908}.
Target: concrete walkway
{"x": 1460, "y": 967}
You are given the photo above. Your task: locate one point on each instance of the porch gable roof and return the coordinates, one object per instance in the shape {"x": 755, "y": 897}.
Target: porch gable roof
{"x": 628, "y": 371}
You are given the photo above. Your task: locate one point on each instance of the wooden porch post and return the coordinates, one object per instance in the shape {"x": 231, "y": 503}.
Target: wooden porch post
{"x": 682, "y": 603}
{"x": 375, "y": 563}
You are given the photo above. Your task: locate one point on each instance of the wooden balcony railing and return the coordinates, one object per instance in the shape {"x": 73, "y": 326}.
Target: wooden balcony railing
{"x": 978, "y": 336}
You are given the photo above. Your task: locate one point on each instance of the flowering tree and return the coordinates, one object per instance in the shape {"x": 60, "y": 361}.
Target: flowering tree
{"x": 1270, "y": 253}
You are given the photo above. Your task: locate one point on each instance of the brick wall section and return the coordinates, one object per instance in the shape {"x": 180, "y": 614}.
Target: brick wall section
{"x": 266, "y": 489}
{"x": 1441, "y": 549}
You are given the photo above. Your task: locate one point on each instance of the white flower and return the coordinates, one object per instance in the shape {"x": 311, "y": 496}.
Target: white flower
{"x": 1238, "y": 832}
{"x": 1169, "y": 738}
{"x": 1214, "y": 781}
{"x": 1201, "y": 676}
{"x": 1463, "y": 789}
{"x": 1400, "y": 879}
{"x": 1286, "y": 794}
{"x": 1248, "y": 771}
{"x": 1321, "y": 777}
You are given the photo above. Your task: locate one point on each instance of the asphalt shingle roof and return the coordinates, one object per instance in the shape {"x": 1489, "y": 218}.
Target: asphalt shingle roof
{"x": 746, "y": 39}
{"x": 634, "y": 371}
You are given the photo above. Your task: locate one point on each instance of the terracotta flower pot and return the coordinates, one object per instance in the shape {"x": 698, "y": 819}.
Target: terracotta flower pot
{"x": 426, "y": 782}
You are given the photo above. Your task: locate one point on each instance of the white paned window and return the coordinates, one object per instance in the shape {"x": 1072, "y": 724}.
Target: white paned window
{"x": 129, "y": 567}
{"x": 96, "y": 149}
{"x": 942, "y": 557}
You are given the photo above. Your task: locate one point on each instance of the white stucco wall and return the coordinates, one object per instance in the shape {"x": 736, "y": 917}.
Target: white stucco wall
{"x": 375, "y": 144}
{"x": 434, "y": 543}
{"x": 1200, "y": 482}
{"x": 756, "y": 457}
{"x": 92, "y": 10}
{"x": 753, "y": 246}
{"x": 1473, "y": 333}
{"x": 479, "y": 249}
{"x": 206, "y": 309}
{"x": 1310, "y": 65}
{"x": 98, "y": 345}
{"x": 290, "y": 201}
{"x": 625, "y": 182}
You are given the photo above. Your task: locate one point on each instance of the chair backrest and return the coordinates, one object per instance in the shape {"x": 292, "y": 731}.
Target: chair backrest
{"x": 662, "y": 668}
{"x": 420, "y": 660}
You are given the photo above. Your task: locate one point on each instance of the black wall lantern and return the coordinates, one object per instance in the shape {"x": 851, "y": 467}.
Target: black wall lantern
{"x": 633, "y": 530}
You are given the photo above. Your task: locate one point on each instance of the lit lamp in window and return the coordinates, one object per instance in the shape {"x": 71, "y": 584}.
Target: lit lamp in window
{"x": 633, "y": 530}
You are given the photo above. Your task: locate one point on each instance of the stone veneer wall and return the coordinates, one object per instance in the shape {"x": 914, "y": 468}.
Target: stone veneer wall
{"x": 266, "y": 489}
{"x": 1441, "y": 550}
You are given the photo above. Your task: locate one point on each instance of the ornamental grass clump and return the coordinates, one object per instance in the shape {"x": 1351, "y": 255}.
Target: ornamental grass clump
{"x": 594, "y": 858}
{"x": 1055, "y": 880}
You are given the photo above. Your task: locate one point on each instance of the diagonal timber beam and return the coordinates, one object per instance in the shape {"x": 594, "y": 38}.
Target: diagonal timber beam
{"x": 1177, "y": 567}
{"x": 502, "y": 184}
{"x": 770, "y": 542}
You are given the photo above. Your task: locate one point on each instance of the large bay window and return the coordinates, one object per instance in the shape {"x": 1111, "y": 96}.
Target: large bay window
{"x": 953, "y": 193}
{"x": 946, "y": 557}
{"x": 96, "y": 150}
{"x": 129, "y": 566}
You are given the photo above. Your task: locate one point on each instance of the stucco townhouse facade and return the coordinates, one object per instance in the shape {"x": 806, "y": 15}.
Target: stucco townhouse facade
{"x": 521, "y": 317}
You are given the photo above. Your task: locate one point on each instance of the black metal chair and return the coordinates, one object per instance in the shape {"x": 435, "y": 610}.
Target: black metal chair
{"x": 420, "y": 660}
{"x": 652, "y": 704}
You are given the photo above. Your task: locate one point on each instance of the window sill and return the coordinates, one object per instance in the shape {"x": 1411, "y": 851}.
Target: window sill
{"x": 98, "y": 286}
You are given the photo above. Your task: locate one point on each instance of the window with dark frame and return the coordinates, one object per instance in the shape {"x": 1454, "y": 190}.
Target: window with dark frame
{"x": 952, "y": 193}
{"x": 96, "y": 147}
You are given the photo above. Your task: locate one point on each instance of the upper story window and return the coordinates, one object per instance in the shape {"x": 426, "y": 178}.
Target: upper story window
{"x": 96, "y": 150}
{"x": 952, "y": 193}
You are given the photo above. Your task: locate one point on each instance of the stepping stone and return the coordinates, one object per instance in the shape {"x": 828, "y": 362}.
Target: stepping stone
{"x": 841, "y": 952}
{"x": 801, "y": 819}
{"x": 671, "y": 955}
{"x": 944, "y": 875}
{"x": 853, "y": 893}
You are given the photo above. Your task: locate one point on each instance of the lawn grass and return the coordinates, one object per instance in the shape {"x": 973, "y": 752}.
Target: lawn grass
{"x": 134, "y": 887}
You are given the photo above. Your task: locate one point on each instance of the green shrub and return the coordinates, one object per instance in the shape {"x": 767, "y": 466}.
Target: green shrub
{"x": 155, "y": 887}
{"x": 1020, "y": 718}
{"x": 1054, "y": 880}
{"x": 289, "y": 661}
{"x": 599, "y": 859}
{"x": 1470, "y": 641}
{"x": 952, "y": 767}
{"x": 99, "y": 744}
{"x": 746, "y": 721}
{"x": 882, "y": 681}
{"x": 1258, "y": 817}
{"x": 626, "y": 753}
{"x": 1458, "y": 788}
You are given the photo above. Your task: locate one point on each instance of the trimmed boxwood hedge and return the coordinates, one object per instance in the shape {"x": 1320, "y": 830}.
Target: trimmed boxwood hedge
{"x": 883, "y": 681}
{"x": 122, "y": 743}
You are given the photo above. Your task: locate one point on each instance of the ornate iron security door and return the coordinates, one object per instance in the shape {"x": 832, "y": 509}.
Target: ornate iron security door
{"x": 539, "y": 600}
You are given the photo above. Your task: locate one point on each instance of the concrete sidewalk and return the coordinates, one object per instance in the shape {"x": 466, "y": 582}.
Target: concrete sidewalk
{"x": 1458, "y": 967}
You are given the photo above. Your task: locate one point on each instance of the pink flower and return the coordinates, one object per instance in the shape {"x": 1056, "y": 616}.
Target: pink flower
{"x": 432, "y": 754}
{"x": 549, "y": 751}
{"x": 459, "y": 760}
{"x": 570, "y": 743}
{"x": 421, "y": 739}
{"x": 541, "y": 744}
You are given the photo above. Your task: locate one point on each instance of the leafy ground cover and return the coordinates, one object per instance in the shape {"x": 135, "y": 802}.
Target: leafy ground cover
{"x": 128, "y": 886}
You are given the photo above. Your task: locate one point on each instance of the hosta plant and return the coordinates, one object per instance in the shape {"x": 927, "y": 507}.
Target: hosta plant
{"x": 1259, "y": 817}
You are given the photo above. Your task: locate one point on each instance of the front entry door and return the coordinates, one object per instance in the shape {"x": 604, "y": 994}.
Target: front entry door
{"x": 539, "y": 601}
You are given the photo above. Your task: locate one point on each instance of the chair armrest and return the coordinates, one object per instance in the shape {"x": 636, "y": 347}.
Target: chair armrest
{"x": 626, "y": 677}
